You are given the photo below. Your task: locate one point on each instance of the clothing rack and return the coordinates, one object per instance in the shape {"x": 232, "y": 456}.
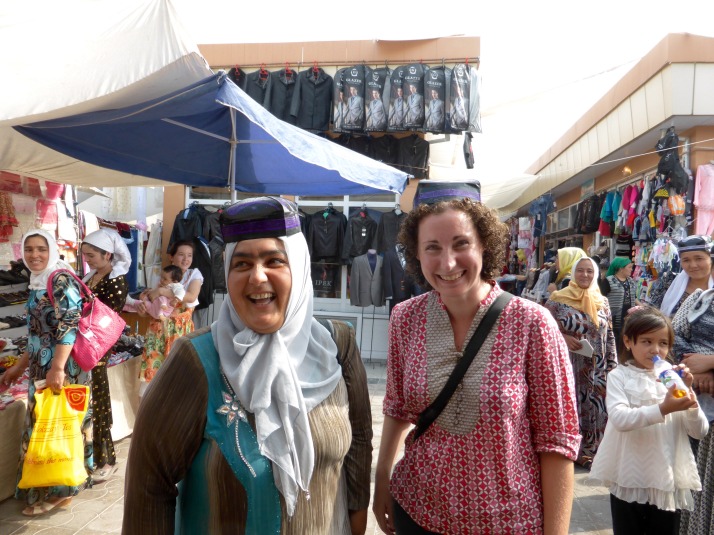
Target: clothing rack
{"x": 302, "y": 65}
{"x": 633, "y": 179}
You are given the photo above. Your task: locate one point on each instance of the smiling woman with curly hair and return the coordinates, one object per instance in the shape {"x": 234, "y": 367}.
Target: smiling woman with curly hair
{"x": 499, "y": 457}
{"x": 493, "y": 236}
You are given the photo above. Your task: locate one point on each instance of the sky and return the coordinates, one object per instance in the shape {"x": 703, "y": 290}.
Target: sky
{"x": 543, "y": 64}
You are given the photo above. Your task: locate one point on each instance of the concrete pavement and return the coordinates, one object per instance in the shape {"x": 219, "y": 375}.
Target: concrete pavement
{"x": 99, "y": 510}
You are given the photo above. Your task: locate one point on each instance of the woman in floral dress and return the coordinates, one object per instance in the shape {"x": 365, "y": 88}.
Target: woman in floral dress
{"x": 109, "y": 260}
{"x": 52, "y": 332}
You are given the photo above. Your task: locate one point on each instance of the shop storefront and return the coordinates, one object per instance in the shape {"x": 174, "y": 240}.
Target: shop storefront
{"x": 630, "y": 178}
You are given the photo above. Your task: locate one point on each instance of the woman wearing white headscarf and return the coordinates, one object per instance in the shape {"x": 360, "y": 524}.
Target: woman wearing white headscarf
{"x": 696, "y": 274}
{"x": 109, "y": 260}
{"x": 583, "y": 313}
{"x": 254, "y": 416}
{"x": 52, "y": 332}
{"x": 693, "y": 325}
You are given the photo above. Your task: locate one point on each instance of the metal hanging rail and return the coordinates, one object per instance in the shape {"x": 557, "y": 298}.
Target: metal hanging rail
{"x": 441, "y": 61}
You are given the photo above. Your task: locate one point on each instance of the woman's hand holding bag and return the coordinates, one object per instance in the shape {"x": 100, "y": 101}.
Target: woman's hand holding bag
{"x": 55, "y": 454}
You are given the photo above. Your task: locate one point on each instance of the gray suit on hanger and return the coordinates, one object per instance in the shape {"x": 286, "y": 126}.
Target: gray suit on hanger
{"x": 435, "y": 115}
{"x": 366, "y": 287}
{"x": 459, "y": 118}
{"x": 397, "y": 112}
{"x": 355, "y": 111}
{"x": 415, "y": 108}
{"x": 376, "y": 118}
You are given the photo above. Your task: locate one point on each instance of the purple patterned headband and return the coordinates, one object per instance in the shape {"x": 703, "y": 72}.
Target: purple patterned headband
{"x": 434, "y": 192}
{"x": 260, "y": 217}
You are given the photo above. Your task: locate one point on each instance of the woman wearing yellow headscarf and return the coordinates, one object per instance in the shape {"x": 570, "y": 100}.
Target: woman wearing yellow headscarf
{"x": 583, "y": 314}
{"x": 566, "y": 259}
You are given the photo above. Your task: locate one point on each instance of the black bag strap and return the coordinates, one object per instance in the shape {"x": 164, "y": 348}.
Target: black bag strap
{"x": 432, "y": 412}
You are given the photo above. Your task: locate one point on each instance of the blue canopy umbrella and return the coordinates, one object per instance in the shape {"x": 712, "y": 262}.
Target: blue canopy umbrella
{"x": 211, "y": 133}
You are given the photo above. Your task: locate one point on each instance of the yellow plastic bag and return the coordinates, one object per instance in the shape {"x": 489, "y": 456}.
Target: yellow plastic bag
{"x": 55, "y": 454}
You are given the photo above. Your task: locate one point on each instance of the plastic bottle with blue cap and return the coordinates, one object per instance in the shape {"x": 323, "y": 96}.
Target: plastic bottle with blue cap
{"x": 670, "y": 378}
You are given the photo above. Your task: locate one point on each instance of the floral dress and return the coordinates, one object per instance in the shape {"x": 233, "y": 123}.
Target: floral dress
{"x": 113, "y": 293}
{"x": 161, "y": 335}
{"x": 590, "y": 372}
{"x": 46, "y": 331}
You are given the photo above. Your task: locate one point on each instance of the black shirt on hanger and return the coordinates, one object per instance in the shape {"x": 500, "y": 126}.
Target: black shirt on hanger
{"x": 326, "y": 235}
{"x": 388, "y": 230}
{"x": 361, "y": 235}
{"x": 384, "y": 149}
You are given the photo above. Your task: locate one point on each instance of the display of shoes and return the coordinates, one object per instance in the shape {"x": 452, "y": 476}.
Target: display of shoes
{"x": 17, "y": 274}
{"x": 133, "y": 345}
{"x": 14, "y": 298}
{"x": 7, "y": 277}
{"x": 14, "y": 321}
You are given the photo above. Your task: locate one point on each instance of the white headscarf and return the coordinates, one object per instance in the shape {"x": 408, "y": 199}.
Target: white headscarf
{"x": 281, "y": 377}
{"x": 675, "y": 292}
{"x": 38, "y": 279}
{"x": 110, "y": 241}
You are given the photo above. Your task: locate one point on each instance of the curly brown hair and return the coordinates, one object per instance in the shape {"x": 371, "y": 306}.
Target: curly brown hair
{"x": 492, "y": 234}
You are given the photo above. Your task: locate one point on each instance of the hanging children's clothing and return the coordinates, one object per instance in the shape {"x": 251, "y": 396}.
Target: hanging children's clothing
{"x": 704, "y": 200}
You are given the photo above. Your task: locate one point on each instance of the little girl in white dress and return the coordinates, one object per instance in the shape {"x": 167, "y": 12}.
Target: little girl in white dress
{"x": 645, "y": 457}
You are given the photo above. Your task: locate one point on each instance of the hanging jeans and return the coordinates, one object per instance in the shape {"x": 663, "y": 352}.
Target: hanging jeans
{"x": 540, "y": 208}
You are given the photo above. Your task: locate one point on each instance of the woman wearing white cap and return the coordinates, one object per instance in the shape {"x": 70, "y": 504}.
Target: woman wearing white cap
{"x": 109, "y": 260}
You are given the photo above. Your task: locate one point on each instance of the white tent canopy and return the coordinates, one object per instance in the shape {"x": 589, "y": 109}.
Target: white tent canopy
{"x": 112, "y": 61}
{"x": 102, "y": 55}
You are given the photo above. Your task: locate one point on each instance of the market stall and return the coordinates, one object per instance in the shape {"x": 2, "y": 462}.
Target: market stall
{"x": 176, "y": 93}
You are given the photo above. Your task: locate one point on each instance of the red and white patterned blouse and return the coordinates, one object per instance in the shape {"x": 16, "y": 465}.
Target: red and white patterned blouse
{"x": 476, "y": 469}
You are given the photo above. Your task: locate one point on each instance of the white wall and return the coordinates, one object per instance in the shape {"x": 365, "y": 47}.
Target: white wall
{"x": 127, "y": 205}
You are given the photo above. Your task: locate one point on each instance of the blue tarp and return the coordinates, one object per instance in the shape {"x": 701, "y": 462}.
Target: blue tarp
{"x": 187, "y": 137}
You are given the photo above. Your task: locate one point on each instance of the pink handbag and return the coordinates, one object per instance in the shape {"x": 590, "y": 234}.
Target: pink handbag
{"x": 99, "y": 327}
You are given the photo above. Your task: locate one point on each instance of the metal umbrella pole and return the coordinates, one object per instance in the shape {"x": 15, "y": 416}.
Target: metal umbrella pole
{"x": 234, "y": 149}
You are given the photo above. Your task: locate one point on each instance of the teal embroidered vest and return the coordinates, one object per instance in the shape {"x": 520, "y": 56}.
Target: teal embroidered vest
{"x": 228, "y": 427}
